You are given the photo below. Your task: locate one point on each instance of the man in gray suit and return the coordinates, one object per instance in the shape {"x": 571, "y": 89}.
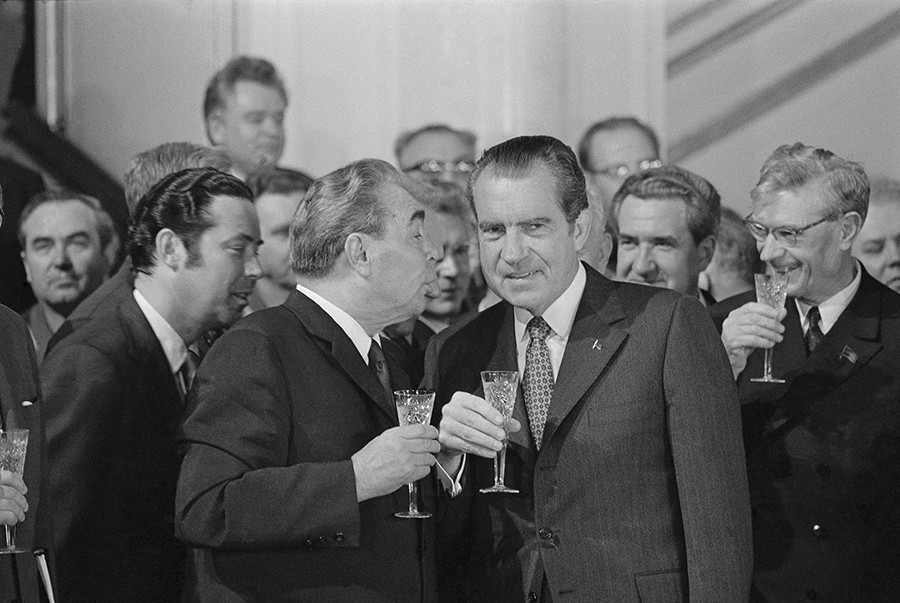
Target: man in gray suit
{"x": 630, "y": 467}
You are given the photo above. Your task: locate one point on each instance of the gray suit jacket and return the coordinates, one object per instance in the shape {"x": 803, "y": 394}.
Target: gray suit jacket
{"x": 638, "y": 493}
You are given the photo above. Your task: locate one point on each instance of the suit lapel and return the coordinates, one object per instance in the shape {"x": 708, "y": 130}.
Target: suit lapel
{"x": 592, "y": 343}
{"x": 321, "y": 325}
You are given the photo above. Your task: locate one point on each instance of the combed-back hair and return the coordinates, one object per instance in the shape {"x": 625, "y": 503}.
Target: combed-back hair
{"x": 518, "y": 157}
{"x": 407, "y": 137}
{"x": 179, "y": 202}
{"x": 238, "y": 69}
{"x": 149, "y": 167}
{"x": 341, "y": 203}
{"x": 278, "y": 181}
{"x": 106, "y": 230}
{"x": 704, "y": 206}
{"x": 843, "y": 184}
{"x": 609, "y": 125}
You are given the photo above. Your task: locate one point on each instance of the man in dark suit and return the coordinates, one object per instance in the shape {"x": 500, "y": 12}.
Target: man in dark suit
{"x": 21, "y": 504}
{"x": 114, "y": 389}
{"x": 630, "y": 467}
{"x": 294, "y": 462}
{"x": 822, "y": 445}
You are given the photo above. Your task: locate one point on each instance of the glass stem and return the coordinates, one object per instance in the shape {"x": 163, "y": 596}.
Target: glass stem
{"x": 767, "y": 364}
{"x": 413, "y": 498}
{"x": 10, "y": 537}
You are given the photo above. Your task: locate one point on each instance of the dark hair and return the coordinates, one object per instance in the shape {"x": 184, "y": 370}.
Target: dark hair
{"x": 843, "y": 184}
{"x": 516, "y": 157}
{"x": 672, "y": 182}
{"x": 106, "y": 230}
{"x": 149, "y": 167}
{"x": 279, "y": 181}
{"x": 608, "y": 125}
{"x": 179, "y": 202}
{"x": 337, "y": 205}
{"x": 242, "y": 68}
{"x": 407, "y": 137}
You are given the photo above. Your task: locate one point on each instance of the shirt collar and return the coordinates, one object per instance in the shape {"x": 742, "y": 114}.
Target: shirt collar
{"x": 832, "y": 308}
{"x": 561, "y": 313}
{"x": 172, "y": 344}
{"x": 347, "y": 323}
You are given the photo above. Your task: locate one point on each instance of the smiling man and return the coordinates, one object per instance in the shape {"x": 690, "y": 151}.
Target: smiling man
{"x": 69, "y": 245}
{"x": 629, "y": 463}
{"x": 822, "y": 452}
{"x": 667, "y": 219}
{"x": 115, "y": 389}
{"x": 294, "y": 461}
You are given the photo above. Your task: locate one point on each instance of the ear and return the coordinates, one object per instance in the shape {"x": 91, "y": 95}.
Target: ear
{"x": 582, "y": 228}
{"x": 705, "y": 251}
{"x": 606, "y": 247}
{"x": 358, "y": 249}
{"x": 215, "y": 128}
{"x": 27, "y": 269}
{"x": 851, "y": 224}
{"x": 170, "y": 249}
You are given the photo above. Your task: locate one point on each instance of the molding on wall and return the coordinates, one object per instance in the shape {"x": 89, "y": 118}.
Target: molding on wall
{"x": 788, "y": 87}
{"x": 701, "y": 11}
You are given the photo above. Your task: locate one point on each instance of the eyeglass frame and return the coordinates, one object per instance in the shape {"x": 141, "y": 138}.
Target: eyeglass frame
{"x": 787, "y": 236}
{"x": 433, "y": 166}
{"x": 622, "y": 170}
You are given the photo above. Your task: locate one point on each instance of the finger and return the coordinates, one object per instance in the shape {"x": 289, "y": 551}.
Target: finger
{"x": 418, "y": 432}
{"x": 424, "y": 445}
{"x": 485, "y": 447}
{"x": 466, "y": 403}
{"x": 462, "y": 422}
{"x": 422, "y": 460}
{"x": 8, "y": 478}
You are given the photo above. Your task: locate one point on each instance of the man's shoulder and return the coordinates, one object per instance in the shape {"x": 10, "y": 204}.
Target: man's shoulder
{"x": 110, "y": 328}
{"x": 12, "y": 323}
{"x": 111, "y": 293}
{"x": 721, "y": 309}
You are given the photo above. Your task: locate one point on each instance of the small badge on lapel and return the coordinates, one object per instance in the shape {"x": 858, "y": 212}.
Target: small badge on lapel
{"x": 597, "y": 345}
{"x": 849, "y": 354}
{"x": 27, "y": 402}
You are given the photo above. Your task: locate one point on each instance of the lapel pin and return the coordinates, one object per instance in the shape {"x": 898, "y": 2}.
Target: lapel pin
{"x": 849, "y": 354}
{"x": 597, "y": 345}
{"x": 27, "y": 403}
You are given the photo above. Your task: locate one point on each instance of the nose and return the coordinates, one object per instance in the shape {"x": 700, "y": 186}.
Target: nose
{"x": 432, "y": 251}
{"x": 61, "y": 258}
{"x": 893, "y": 251}
{"x": 644, "y": 264}
{"x": 252, "y": 267}
{"x": 513, "y": 251}
{"x": 769, "y": 249}
{"x": 447, "y": 266}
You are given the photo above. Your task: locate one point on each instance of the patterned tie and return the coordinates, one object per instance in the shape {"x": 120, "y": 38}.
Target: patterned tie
{"x": 187, "y": 371}
{"x": 814, "y": 333}
{"x": 378, "y": 364}
{"x": 538, "y": 382}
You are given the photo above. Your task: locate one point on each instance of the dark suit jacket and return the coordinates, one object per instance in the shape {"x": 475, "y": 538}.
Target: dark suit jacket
{"x": 112, "y": 292}
{"x": 112, "y": 412}
{"x": 267, "y": 490}
{"x": 18, "y": 384}
{"x": 19, "y": 184}
{"x": 824, "y": 455}
{"x": 638, "y": 493}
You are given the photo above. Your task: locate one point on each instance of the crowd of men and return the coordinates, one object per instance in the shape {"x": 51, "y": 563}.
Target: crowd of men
{"x": 212, "y": 418}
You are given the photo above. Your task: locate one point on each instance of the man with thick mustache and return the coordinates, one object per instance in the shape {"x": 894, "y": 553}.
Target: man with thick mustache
{"x": 294, "y": 461}
{"x": 114, "y": 389}
{"x": 629, "y": 465}
{"x": 822, "y": 446}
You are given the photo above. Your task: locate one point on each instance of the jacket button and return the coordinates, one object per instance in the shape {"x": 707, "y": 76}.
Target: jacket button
{"x": 823, "y": 470}
{"x": 820, "y": 532}
{"x": 321, "y": 540}
{"x": 545, "y": 533}
{"x": 813, "y": 595}
{"x": 338, "y": 537}
{"x": 532, "y": 598}
{"x": 308, "y": 543}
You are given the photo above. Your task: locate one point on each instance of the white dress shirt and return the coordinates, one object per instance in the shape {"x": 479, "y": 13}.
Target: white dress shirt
{"x": 832, "y": 308}
{"x": 172, "y": 344}
{"x": 347, "y": 323}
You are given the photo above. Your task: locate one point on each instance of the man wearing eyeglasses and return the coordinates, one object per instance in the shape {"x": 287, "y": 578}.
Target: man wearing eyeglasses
{"x": 437, "y": 152}
{"x": 822, "y": 447}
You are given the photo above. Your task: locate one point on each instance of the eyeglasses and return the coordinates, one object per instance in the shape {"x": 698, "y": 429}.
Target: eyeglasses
{"x": 620, "y": 171}
{"x": 783, "y": 234}
{"x": 433, "y": 166}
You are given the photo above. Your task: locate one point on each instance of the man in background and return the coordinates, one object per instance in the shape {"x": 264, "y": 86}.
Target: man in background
{"x": 735, "y": 261}
{"x": 69, "y": 245}
{"x": 878, "y": 243}
{"x": 822, "y": 454}
{"x": 437, "y": 152}
{"x": 666, "y": 219}
{"x": 277, "y": 193}
{"x": 114, "y": 390}
{"x": 146, "y": 169}
{"x": 243, "y": 110}
{"x": 294, "y": 461}
{"x": 629, "y": 465}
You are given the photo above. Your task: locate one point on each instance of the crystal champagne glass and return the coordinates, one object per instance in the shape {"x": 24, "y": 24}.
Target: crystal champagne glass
{"x": 13, "y": 445}
{"x": 771, "y": 289}
{"x": 500, "y": 392}
{"x": 413, "y": 407}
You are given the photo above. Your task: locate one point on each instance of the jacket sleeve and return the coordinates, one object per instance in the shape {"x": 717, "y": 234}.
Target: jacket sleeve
{"x": 705, "y": 433}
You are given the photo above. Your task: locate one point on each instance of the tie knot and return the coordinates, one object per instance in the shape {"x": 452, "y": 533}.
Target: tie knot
{"x": 538, "y": 328}
{"x": 814, "y": 316}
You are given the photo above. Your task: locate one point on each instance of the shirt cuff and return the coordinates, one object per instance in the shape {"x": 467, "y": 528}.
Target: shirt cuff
{"x": 452, "y": 485}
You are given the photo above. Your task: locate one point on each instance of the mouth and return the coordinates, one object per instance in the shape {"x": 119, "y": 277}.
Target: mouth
{"x": 521, "y": 276}
{"x": 787, "y": 269}
{"x": 242, "y": 296}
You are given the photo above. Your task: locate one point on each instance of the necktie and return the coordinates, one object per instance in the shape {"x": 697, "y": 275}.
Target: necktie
{"x": 378, "y": 364}
{"x": 187, "y": 371}
{"x": 814, "y": 333}
{"x": 538, "y": 382}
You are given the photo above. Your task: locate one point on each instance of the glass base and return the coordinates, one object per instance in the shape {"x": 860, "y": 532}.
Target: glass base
{"x": 766, "y": 380}
{"x": 412, "y": 514}
{"x": 498, "y": 488}
{"x": 7, "y": 550}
